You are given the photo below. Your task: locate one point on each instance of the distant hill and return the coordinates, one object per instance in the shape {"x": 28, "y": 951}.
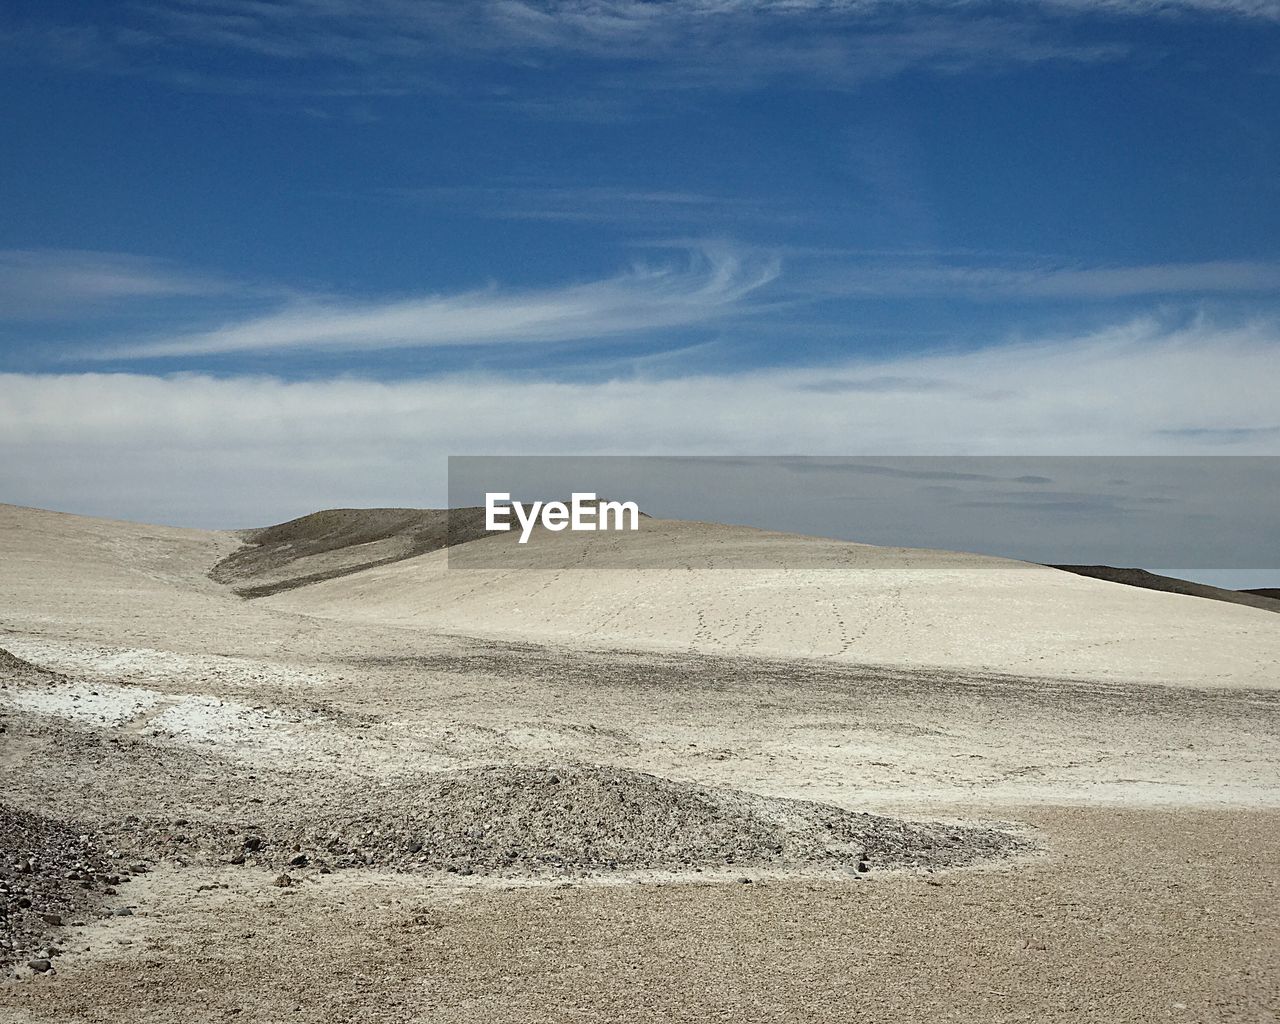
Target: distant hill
{"x": 1267, "y": 600}
{"x": 711, "y": 589}
{"x": 339, "y": 541}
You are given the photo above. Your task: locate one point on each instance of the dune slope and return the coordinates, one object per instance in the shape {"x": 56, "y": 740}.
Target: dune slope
{"x": 731, "y": 590}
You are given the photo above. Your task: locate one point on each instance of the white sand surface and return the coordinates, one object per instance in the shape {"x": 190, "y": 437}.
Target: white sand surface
{"x": 737, "y": 591}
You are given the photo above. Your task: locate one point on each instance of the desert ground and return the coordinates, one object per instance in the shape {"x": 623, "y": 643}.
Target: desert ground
{"x": 328, "y": 772}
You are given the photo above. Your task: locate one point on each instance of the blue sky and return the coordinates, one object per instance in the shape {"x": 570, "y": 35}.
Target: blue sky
{"x": 351, "y": 239}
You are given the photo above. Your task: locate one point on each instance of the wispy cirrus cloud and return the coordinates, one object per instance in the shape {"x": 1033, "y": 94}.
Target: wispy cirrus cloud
{"x": 53, "y": 283}
{"x": 381, "y": 47}
{"x": 632, "y": 205}
{"x": 712, "y": 283}
{"x": 634, "y": 29}
{"x": 934, "y": 275}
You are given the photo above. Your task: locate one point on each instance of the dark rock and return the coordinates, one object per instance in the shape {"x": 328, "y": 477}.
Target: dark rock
{"x": 40, "y": 966}
{"x": 298, "y": 860}
{"x": 283, "y": 881}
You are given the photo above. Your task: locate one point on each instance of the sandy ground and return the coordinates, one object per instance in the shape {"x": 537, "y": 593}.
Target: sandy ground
{"x": 1146, "y": 786}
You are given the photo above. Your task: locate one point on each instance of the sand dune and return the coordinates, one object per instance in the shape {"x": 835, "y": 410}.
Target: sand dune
{"x": 732, "y": 590}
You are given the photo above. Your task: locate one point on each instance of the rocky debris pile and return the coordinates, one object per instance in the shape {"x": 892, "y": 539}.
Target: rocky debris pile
{"x": 15, "y": 669}
{"x": 578, "y": 819}
{"x": 53, "y": 874}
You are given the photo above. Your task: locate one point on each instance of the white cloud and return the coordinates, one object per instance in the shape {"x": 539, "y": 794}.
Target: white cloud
{"x": 47, "y": 283}
{"x": 378, "y": 47}
{"x": 1263, "y": 9}
{"x": 975, "y": 279}
{"x": 714, "y": 283}
{"x": 598, "y": 203}
{"x": 234, "y": 451}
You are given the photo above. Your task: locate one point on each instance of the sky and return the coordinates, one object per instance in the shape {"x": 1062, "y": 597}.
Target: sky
{"x": 264, "y": 256}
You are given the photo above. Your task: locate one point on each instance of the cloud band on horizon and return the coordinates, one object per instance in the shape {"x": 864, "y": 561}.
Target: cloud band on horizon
{"x": 197, "y": 449}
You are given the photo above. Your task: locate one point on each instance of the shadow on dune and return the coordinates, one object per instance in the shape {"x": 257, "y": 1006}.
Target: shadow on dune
{"x": 340, "y": 541}
{"x": 1263, "y": 599}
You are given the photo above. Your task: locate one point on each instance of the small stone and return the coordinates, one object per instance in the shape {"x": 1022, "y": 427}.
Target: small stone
{"x": 40, "y": 966}
{"x": 123, "y": 912}
{"x": 253, "y": 843}
{"x": 298, "y": 860}
{"x": 238, "y": 859}
{"x": 283, "y": 881}
{"x": 52, "y": 919}
{"x": 863, "y": 866}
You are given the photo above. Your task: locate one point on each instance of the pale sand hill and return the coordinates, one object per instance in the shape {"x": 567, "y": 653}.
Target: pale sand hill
{"x": 79, "y": 581}
{"x": 99, "y": 575}
{"x": 732, "y": 590}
